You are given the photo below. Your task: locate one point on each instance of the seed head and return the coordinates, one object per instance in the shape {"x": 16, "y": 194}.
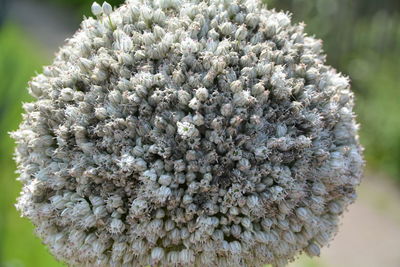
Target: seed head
{"x": 188, "y": 133}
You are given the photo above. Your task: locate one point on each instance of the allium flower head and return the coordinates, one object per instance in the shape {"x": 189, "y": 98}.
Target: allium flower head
{"x": 188, "y": 133}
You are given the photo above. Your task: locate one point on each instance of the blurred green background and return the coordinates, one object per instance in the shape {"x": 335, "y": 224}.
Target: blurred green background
{"x": 362, "y": 40}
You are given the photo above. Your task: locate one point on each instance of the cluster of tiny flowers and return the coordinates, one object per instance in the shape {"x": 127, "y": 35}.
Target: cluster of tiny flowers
{"x": 188, "y": 133}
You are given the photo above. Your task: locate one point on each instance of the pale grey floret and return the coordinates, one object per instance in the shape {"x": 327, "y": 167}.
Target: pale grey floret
{"x": 188, "y": 133}
{"x": 107, "y": 8}
{"x": 96, "y": 9}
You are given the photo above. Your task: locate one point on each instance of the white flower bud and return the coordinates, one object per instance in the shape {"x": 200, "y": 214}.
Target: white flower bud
{"x": 107, "y": 8}
{"x": 165, "y": 179}
{"x": 319, "y": 188}
{"x": 100, "y": 211}
{"x": 226, "y": 28}
{"x": 188, "y": 46}
{"x": 186, "y": 257}
{"x": 289, "y": 237}
{"x": 194, "y": 104}
{"x": 335, "y": 207}
{"x": 163, "y": 193}
{"x": 243, "y": 164}
{"x": 35, "y": 89}
{"x": 96, "y": 9}
{"x": 85, "y": 64}
{"x": 241, "y": 33}
{"x": 116, "y": 226}
{"x": 184, "y": 97}
{"x": 202, "y": 94}
{"x": 313, "y": 250}
{"x": 242, "y": 98}
{"x": 198, "y": 119}
{"x": 139, "y": 165}
{"x": 157, "y": 254}
{"x": 234, "y": 211}
{"x": 160, "y": 214}
{"x": 246, "y": 223}
{"x": 266, "y": 223}
{"x": 236, "y": 86}
{"x": 173, "y": 258}
{"x": 146, "y": 13}
{"x": 150, "y": 174}
{"x": 77, "y": 237}
{"x": 302, "y": 213}
{"x": 187, "y": 199}
{"x": 281, "y": 130}
{"x": 262, "y": 237}
{"x": 236, "y": 230}
{"x": 158, "y": 32}
{"x": 158, "y": 16}
{"x": 139, "y": 247}
{"x": 67, "y": 94}
{"x": 169, "y": 225}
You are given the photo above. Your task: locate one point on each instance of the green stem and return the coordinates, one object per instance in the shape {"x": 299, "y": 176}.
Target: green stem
{"x": 111, "y": 24}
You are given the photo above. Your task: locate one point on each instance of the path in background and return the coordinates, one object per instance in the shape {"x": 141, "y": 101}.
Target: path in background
{"x": 370, "y": 231}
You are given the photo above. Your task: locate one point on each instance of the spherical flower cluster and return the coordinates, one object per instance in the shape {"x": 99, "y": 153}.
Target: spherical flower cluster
{"x": 188, "y": 133}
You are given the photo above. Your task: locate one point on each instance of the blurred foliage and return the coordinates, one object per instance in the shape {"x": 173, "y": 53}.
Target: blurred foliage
{"x": 19, "y": 60}
{"x": 361, "y": 39}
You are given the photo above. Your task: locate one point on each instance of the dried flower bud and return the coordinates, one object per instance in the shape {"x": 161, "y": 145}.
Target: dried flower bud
{"x": 236, "y": 86}
{"x": 241, "y": 33}
{"x": 157, "y": 254}
{"x": 202, "y": 94}
{"x": 67, "y": 94}
{"x": 165, "y": 179}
